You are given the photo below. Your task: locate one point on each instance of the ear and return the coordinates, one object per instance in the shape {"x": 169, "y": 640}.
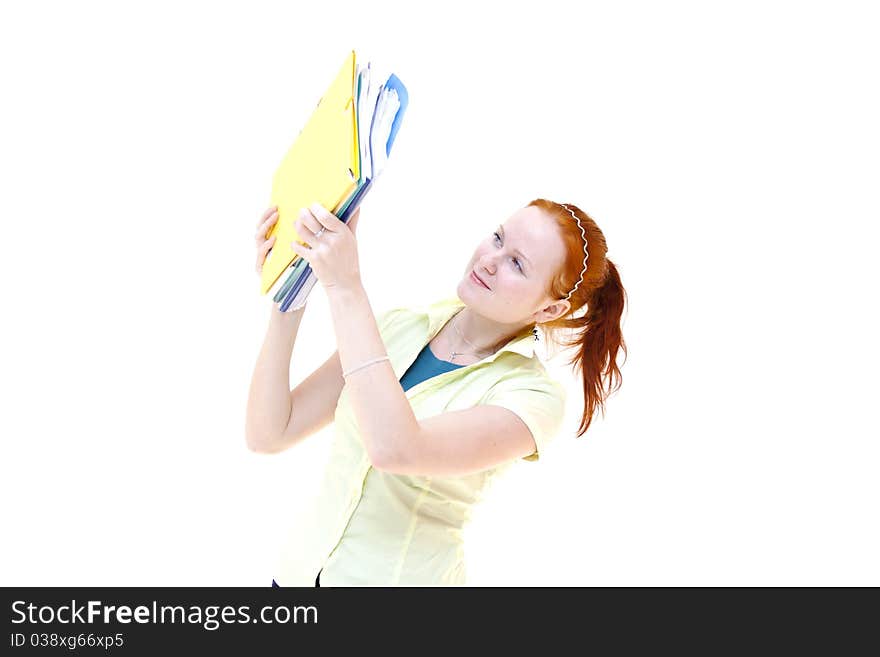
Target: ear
{"x": 554, "y": 310}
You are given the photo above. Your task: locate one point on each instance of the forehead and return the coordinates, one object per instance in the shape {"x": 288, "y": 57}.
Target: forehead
{"x": 531, "y": 231}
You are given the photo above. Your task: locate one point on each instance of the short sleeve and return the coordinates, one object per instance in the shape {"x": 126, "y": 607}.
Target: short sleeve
{"x": 538, "y": 400}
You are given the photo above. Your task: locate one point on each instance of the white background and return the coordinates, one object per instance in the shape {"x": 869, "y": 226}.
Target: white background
{"x": 729, "y": 151}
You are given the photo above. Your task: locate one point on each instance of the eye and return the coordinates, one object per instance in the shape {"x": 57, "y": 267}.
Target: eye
{"x": 515, "y": 260}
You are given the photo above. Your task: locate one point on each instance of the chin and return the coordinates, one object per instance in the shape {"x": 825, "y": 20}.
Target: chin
{"x": 477, "y": 303}
{"x": 467, "y": 293}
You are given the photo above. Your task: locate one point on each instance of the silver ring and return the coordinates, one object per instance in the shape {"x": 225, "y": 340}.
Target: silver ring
{"x": 318, "y": 234}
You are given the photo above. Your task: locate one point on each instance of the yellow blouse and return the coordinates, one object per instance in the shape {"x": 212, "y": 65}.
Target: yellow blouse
{"x": 373, "y": 528}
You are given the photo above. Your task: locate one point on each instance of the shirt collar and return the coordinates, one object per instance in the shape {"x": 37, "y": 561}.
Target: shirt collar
{"x": 440, "y": 312}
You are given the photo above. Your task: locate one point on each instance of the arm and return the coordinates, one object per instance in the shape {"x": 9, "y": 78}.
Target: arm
{"x": 517, "y": 419}
{"x": 299, "y": 412}
{"x": 379, "y": 404}
{"x": 459, "y": 443}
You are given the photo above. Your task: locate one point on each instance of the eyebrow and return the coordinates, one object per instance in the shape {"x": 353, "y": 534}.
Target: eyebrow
{"x": 525, "y": 257}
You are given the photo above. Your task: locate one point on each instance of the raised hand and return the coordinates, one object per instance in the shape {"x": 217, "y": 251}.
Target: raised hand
{"x": 330, "y": 246}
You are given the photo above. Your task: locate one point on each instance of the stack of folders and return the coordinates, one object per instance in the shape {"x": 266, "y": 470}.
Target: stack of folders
{"x": 334, "y": 161}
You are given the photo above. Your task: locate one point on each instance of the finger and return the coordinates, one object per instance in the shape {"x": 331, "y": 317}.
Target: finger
{"x": 306, "y": 220}
{"x": 263, "y": 228}
{"x": 267, "y": 214}
{"x": 304, "y": 233}
{"x": 262, "y": 251}
{"x": 328, "y": 220}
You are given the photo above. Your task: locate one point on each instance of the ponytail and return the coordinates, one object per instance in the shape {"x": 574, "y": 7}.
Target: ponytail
{"x": 600, "y": 339}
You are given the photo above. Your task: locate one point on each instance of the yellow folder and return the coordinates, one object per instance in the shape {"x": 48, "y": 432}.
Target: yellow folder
{"x": 322, "y": 166}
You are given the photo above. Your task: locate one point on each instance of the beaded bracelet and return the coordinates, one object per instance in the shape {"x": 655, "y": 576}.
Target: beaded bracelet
{"x": 369, "y": 362}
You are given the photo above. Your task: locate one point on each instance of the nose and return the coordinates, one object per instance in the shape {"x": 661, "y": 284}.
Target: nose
{"x": 487, "y": 262}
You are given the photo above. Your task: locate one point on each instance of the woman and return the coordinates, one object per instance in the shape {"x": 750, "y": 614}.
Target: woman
{"x": 430, "y": 404}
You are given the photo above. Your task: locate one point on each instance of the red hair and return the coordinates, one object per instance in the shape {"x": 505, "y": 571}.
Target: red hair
{"x": 596, "y": 333}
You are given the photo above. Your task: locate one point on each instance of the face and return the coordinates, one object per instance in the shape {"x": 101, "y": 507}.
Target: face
{"x": 516, "y": 262}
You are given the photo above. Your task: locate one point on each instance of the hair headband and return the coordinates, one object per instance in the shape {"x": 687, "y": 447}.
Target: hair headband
{"x": 586, "y": 255}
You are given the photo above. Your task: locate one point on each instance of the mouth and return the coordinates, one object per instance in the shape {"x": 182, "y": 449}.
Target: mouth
{"x": 476, "y": 279}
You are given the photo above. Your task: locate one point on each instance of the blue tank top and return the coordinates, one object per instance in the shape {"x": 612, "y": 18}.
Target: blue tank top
{"x": 424, "y": 367}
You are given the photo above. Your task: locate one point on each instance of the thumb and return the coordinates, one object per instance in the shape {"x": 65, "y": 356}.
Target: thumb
{"x": 353, "y": 220}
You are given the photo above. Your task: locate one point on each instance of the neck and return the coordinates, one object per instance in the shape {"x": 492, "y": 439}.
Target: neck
{"x": 481, "y": 335}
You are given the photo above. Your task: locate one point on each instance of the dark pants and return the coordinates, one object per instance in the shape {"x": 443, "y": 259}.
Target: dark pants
{"x": 317, "y": 580}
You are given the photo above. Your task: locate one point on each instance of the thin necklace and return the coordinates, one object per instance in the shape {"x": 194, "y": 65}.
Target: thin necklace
{"x": 461, "y": 353}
